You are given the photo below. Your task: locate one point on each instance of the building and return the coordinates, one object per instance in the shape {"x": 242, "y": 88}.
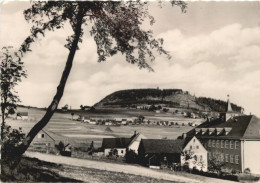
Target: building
{"x": 160, "y": 152}
{"x": 22, "y": 115}
{"x": 43, "y": 142}
{"x": 233, "y": 138}
{"x": 164, "y": 152}
{"x": 122, "y": 144}
{"x": 109, "y": 145}
{"x": 66, "y": 150}
{"x": 197, "y": 155}
{"x": 135, "y": 142}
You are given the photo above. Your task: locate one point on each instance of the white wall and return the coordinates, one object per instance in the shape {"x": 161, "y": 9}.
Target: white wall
{"x": 135, "y": 145}
{"x": 199, "y": 151}
{"x": 251, "y": 151}
{"x": 121, "y": 151}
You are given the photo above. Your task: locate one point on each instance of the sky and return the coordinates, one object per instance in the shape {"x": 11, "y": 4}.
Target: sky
{"x": 215, "y": 48}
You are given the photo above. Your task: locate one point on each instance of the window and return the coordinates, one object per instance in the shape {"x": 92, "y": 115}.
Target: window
{"x": 122, "y": 151}
{"x": 222, "y": 157}
{"x": 209, "y": 143}
{"x": 42, "y": 135}
{"x": 195, "y": 158}
{"x": 236, "y": 159}
{"x": 226, "y": 144}
{"x": 236, "y": 144}
{"x": 217, "y": 144}
{"x": 213, "y": 155}
{"x": 231, "y": 158}
{"x": 231, "y": 144}
{"x": 226, "y": 157}
{"x": 213, "y": 143}
{"x": 222, "y": 143}
{"x": 197, "y": 147}
{"x": 201, "y": 157}
{"x": 190, "y": 147}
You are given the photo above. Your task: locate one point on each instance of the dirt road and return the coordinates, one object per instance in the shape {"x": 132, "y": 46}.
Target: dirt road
{"x": 129, "y": 169}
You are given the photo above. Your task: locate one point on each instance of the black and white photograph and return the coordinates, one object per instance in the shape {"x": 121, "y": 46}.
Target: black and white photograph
{"x": 130, "y": 91}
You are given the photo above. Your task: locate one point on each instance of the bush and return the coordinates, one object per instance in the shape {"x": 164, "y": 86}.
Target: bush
{"x": 248, "y": 178}
{"x": 11, "y": 139}
{"x": 247, "y": 170}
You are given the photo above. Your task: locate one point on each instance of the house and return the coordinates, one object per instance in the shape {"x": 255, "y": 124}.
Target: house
{"x": 65, "y": 108}
{"x": 124, "y": 121}
{"x": 195, "y": 155}
{"x": 118, "y": 144}
{"x": 135, "y": 142}
{"x": 166, "y": 152}
{"x": 232, "y": 138}
{"x": 92, "y": 122}
{"x": 108, "y": 123}
{"x": 43, "y": 142}
{"x": 122, "y": 144}
{"x": 160, "y": 152}
{"x": 22, "y": 115}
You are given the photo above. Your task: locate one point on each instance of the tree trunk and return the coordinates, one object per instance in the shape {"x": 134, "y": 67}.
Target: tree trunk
{"x": 60, "y": 89}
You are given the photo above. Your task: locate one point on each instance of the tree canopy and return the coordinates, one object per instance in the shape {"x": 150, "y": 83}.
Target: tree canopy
{"x": 115, "y": 27}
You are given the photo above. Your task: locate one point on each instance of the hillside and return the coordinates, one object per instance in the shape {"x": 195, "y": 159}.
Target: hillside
{"x": 169, "y": 97}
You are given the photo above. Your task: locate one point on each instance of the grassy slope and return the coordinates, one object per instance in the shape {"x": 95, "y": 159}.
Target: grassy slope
{"x": 34, "y": 170}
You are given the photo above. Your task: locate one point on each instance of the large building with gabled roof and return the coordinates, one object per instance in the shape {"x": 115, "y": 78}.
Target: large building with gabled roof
{"x": 122, "y": 144}
{"x": 233, "y": 138}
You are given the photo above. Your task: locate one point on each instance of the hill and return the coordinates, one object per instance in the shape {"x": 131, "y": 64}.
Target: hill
{"x": 176, "y": 98}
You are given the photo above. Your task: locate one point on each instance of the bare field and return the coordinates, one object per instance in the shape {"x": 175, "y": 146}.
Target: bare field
{"x": 62, "y": 127}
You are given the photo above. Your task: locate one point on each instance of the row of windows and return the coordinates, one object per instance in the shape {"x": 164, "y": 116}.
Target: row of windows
{"x": 227, "y": 144}
{"x": 228, "y": 158}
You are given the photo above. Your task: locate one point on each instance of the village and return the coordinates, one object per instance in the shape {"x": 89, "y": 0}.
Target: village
{"x": 225, "y": 146}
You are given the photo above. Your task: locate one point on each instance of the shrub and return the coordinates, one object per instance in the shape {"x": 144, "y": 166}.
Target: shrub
{"x": 248, "y": 178}
{"x": 247, "y": 170}
{"x": 11, "y": 139}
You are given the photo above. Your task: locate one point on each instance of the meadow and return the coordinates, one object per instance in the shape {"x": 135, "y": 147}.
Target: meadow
{"x": 63, "y": 128}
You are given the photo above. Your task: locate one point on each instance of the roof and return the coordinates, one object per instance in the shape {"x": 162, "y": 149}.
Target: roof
{"x": 115, "y": 142}
{"x": 22, "y": 114}
{"x": 163, "y": 146}
{"x": 48, "y": 134}
{"x": 238, "y": 127}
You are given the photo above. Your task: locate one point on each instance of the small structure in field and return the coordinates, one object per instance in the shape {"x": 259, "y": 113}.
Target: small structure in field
{"x": 108, "y": 129}
{"x": 66, "y": 151}
{"x": 22, "y": 115}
